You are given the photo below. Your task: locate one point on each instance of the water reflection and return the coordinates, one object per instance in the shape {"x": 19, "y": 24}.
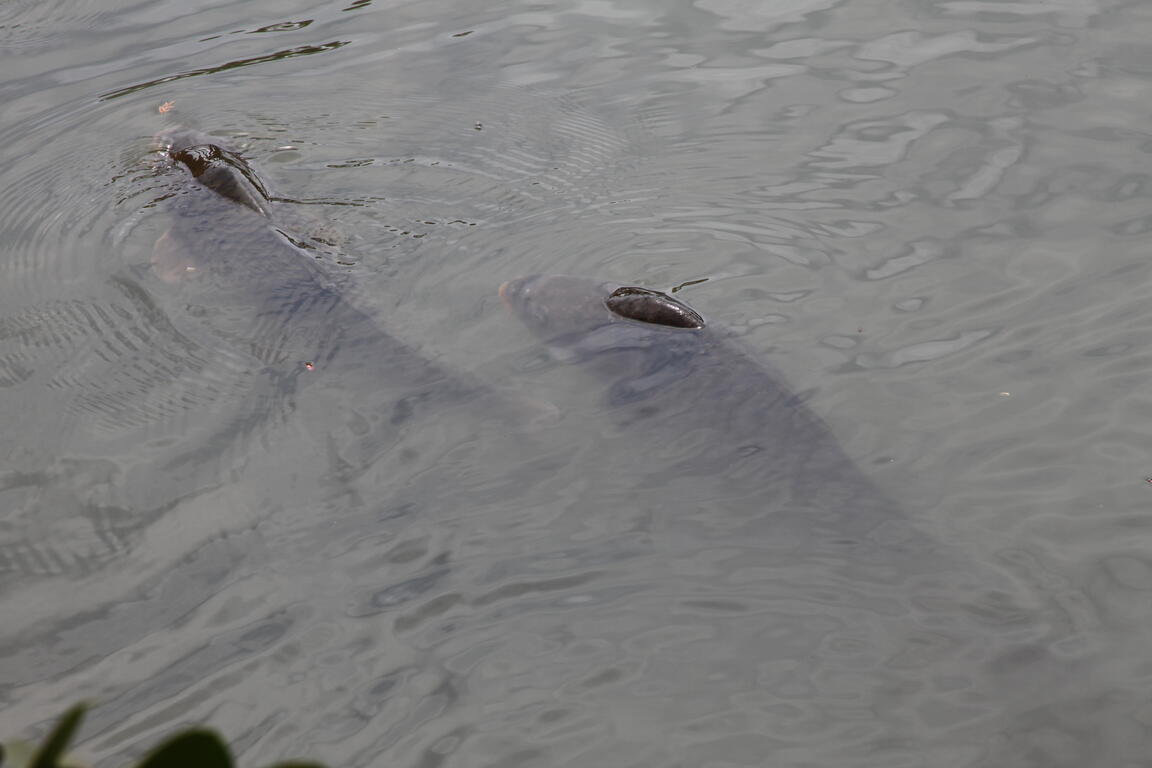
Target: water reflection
{"x": 934, "y": 230}
{"x": 302, "y": 50}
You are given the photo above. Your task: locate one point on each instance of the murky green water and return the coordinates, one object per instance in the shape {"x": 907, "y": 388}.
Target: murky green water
{"x": 931, "y": 219}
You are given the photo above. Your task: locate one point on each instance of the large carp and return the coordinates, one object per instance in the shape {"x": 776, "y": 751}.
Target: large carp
{"x": 863, "y": 621}
{"x": 227, "y": 245}
{"x": 714, "y": 413}
{"x": 258, "y": 291}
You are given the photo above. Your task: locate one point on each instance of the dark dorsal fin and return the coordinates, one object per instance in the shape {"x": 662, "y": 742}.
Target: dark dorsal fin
{"x": 225, "y": 173}
{"x": 647, "y": 306}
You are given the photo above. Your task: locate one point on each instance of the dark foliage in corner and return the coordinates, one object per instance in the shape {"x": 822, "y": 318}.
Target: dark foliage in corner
{"x": 195, "y": 748}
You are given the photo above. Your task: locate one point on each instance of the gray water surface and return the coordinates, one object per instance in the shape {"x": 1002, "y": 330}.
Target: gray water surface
{"x": 931, "y": 218}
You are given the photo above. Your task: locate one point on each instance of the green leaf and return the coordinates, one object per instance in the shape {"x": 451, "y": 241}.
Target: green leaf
{"x": 196, "y": 748}
{"x": 17, "y": 754}
{"x": 191, "y": 749}
{"x": 52, "y": 750}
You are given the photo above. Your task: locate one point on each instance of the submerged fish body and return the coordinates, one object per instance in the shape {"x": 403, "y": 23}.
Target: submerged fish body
{"x": 813, "y": 533}
{"x": 670, "y": 379}
{"x": 733, "y": 465}
{"x": 254, "y": 290}
{"x": 226, "y": 248}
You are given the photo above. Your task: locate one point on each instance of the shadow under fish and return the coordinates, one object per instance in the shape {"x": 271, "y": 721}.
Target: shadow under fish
{"x": 867, "y": 620}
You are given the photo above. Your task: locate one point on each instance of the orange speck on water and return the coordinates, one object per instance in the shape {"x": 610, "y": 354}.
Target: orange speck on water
{"x": 167, "y": 106}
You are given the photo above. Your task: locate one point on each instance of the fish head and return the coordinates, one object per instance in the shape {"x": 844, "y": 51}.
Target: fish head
{"x": 555, "y": 305}
{"x": 642, "y": 340}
